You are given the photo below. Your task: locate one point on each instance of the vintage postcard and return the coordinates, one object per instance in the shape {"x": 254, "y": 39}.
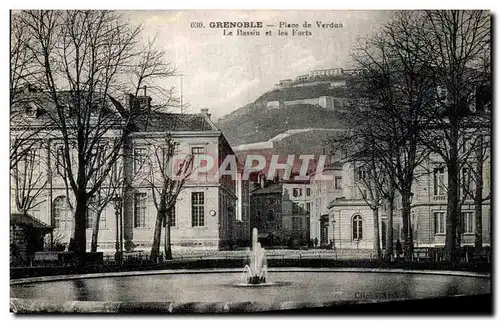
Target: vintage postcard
{"x": 244, "y": 161}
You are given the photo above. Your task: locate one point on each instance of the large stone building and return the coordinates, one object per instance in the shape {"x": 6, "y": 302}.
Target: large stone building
{"x": 211, "y": 212}
{"x": 429, "y": 204}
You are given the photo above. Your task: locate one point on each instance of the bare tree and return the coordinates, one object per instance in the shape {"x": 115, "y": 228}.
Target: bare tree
{"x": 473, "y": 171}
{"x": 85, "y": 57}
{"x": 166, "y": 179}
{"x": 370, "y": 180}
{"x": 29, "y": 179}
{"x": 392, "y": 91}
{"x": 110, "y": 191}
{"x": 454, "y": 43}
{"x": 23, "y": 71}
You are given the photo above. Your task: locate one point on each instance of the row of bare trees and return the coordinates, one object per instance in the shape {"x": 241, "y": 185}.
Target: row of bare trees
{"x": 68, "y": 68}
{"x": 423, "y": 92}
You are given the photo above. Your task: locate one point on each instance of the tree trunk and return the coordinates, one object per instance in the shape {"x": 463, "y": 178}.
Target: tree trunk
{"x": 95, "y": 232}
{"x": 79, "y": 236}
{"x": 452, "y": 209}
{"x": 389, "y": 242}
{"x": 376, "y": 235}
{"x": 408, "y": 242}
{"x": 168, "y": 246}
{"x": 155, "y": 248}
{"x": 478, "y": 198}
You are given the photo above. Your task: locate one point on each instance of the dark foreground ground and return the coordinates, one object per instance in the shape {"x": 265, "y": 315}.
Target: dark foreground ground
{"x": 462, "y": 305}
{"x": 472, "y": 305}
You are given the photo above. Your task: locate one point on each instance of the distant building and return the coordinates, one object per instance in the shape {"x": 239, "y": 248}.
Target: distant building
{"x": 267, "y": 213}
{"x": 284, "y": 82}
{"x": 297, "y": 197}
{"x": 280, "y": 211}
{"x": 302, "y": 77}
{"x": 326, "y": 72}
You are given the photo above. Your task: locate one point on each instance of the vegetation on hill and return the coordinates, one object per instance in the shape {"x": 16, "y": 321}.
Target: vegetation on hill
{"x": 253, "y": 123}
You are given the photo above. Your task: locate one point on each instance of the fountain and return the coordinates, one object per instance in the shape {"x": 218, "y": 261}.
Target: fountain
{"x": 215, "y": 291}
{"x": 256, "y": 272}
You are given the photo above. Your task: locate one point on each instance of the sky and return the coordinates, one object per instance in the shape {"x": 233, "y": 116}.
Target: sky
{"x": 223, "y": 73}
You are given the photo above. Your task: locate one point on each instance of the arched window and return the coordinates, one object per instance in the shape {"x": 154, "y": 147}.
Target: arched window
{"x": 60, "y": 212}
{"x": 357, "y": 227}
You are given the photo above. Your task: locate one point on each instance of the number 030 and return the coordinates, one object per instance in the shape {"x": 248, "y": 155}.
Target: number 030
{"x": 196, "y": 24}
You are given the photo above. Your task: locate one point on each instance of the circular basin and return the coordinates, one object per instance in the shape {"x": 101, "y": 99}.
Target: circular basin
{"x": 214, "y": 290}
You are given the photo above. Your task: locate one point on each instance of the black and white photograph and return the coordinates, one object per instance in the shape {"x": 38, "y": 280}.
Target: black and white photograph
{"x": 229, "y": 161}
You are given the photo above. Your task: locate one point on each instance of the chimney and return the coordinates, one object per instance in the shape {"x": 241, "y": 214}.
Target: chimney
{"x": 204, "y": 111}
{"x": 262, "y": 179}
{"x": 137, "y": 102}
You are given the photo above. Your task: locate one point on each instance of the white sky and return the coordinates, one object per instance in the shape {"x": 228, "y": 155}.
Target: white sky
{"x": 224, "y": 73}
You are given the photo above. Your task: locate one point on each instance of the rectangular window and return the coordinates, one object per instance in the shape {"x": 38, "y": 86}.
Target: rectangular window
{"x": 172, "y": 217}
{"x": 338, "y": 183}
{"x": 140, "y": 210}
{"x": 361, "y": 173}
{"x": 29, "y": 164}
{"x": 197, "y": 150}
{"x": 197, "y": 209}
{"x": 102, "y": 224}
{"x": 98, "y": 159}
{"x": 439, "y": 222}
{"x": 466, "y": 144}
{"x": 115, "y": 175}
{"x": 270, "y": 215}
{"x": 60, "y": 159}
{"x": 308, "y": 208}
{"x": 468, "y": 222}
{"x": 92, "y": 206}
{"x": 199, "y": 157}
{"x": 465, "y": 186}
{"x": 357, "y": 227}
{"x": 296, "y": 223}
{"x": 439, "y": 181}
{"x": 308, "y": 192}
{"x": 89, "y": 223}
{"x": 295, "y": 209}
{"x": 297, "y": 192}
{"x": 139, "y": 158}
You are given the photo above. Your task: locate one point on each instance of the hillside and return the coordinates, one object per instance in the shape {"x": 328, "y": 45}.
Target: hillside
{"x": 305, "y": 91}
{"x": 253, "y": 123}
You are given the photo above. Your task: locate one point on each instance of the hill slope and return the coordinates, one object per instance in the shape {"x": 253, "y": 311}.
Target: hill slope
{"x": 253, "y": 123}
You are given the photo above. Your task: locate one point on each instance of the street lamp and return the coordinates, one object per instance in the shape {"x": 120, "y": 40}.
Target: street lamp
{"x": 333, "y": 231}
{"x": 117, "y": 199}
{"x": 410, "y": 227}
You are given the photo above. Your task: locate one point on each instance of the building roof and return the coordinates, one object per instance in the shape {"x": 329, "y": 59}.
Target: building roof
{"x": 36, "y": 107}
{"x": 271, "y": 189}
{"x": 28, "y": 221}
{"x": 161, "y": 121}
{"x": 150, "y": 119}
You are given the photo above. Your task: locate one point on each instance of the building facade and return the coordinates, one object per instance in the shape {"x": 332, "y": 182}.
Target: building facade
{"x": 267, "y": 213}
{"x": 211, "y": 212}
